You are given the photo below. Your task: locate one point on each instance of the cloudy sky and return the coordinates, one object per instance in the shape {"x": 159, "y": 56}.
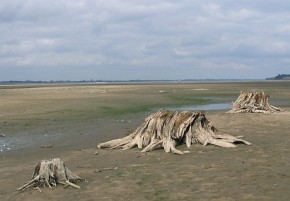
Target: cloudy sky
{"x": 143, "y": 39}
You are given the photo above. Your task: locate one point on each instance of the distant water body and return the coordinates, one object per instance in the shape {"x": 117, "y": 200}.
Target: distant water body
{"x": 215, "y": 106}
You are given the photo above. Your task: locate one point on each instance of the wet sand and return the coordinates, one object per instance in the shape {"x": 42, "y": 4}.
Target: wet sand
{"x": 256, "y": 172}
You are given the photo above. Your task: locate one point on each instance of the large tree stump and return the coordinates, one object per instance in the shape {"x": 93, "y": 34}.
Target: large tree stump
{"x": 50, "y": 173}
{"x": 257, "y": 102}
{"x": 167, "y": 129}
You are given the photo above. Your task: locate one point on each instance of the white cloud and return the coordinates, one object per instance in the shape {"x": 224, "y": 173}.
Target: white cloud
{"x": 180, "y": 35}
{"x": 55, "y": 59}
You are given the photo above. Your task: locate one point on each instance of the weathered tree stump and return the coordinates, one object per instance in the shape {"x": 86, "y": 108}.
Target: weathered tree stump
{"x": 167, "y": 129}
{"x": 257, "y": 102}
{"x": 50, "y": 173}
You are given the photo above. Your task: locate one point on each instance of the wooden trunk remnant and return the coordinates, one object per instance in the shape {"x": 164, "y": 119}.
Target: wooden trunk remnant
{"x": 50, "y": 173}
{"x": 167, "y": 129}
{"x": 254, "y": 102}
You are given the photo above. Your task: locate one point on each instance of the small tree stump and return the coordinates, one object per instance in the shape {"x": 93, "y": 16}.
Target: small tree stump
{"x": 257, "y": 102}
{"x": 167, "y": 129}
{"x": 50, "y": 173}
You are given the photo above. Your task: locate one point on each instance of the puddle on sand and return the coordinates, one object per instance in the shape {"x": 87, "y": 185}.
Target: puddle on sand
{"x": 4, "y": 145}
{"x": 25, "y": 140}
{"x": 215, "y": 106}
{"x": 18, "y": 141}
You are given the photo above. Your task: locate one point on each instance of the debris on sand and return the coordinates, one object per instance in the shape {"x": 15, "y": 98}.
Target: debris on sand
{"x": 105, "y": 169}
{"x": 46, "y": 146}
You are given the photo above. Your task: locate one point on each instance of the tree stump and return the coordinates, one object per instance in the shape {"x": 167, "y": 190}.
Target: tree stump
{"x": 257, "y": 102}
{"x": 167, "y": 129}
{"x": 50, "y": 173}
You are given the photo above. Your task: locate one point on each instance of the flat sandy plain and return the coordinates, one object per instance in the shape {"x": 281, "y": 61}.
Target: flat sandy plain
{"x": 75, "y": 118}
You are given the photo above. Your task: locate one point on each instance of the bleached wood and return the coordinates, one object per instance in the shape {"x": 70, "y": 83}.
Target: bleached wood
{"x": 256, "y": 102}
{"x": 167, "y": 129}
{"x": 50, "y": 173}
{"x": 28, "y": 183}
{"x": 72, "y": 184}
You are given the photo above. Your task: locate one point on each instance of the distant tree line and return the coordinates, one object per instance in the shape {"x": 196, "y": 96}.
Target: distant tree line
{"x": 280, "y": 77}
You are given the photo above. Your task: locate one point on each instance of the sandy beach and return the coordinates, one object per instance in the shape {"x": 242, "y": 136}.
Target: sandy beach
{"x": 68, "y": 121}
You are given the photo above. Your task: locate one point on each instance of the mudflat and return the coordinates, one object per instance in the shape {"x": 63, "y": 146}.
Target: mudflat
{"x": 68, "y": 121}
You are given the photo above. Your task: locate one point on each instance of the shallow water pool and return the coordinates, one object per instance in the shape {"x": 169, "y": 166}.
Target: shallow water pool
{"x": 215, "y": 106}
{"x": 4, "y": 145}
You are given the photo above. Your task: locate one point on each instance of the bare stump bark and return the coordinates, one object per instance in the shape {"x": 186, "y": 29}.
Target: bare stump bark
{"x": 167, "y": 129}
{"x": 254, "y": 102}
{"x": 50, "y": 173}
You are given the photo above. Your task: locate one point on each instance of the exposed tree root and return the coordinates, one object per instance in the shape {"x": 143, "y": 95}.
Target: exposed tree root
{"x": 257, "y": 102}
{"x": 167, "y": 129}
{"x": 50, "y": 173}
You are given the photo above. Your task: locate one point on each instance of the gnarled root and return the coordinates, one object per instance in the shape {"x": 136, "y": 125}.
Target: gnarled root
{"x": 167, "y": 129}
{"x": 253, "y": 103}
{"x": 50, "y": 173}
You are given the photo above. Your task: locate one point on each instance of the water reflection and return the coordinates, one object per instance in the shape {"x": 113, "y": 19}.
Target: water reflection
{"x": 216, "y": 106}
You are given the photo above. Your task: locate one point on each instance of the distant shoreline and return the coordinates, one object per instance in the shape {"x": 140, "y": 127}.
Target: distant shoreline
{"x": 16, "y": 82}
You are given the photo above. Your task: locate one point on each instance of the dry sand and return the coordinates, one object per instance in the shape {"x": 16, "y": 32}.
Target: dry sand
{"x": 75, "y": 121}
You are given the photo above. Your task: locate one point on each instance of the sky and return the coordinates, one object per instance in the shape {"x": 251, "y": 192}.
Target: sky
{"x": 143, "y": 39}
